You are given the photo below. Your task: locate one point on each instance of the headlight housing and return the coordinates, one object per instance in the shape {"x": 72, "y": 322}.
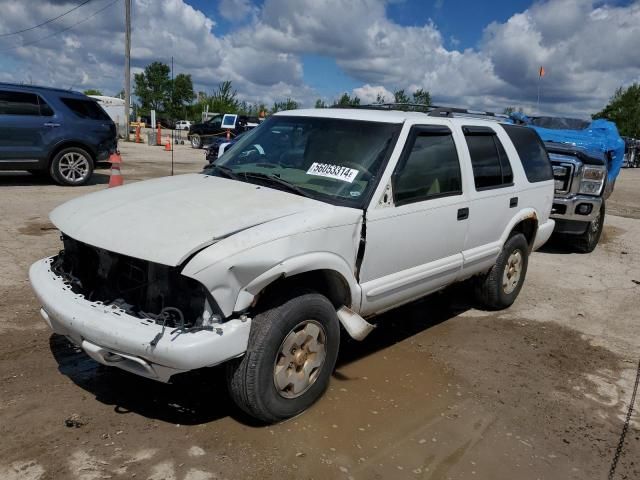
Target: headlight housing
{"x": 592, "y": 180}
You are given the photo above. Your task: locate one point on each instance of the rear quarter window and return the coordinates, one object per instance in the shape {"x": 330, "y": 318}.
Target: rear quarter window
{"x": 531, "y": 151}
{"x": 87, "y": 109}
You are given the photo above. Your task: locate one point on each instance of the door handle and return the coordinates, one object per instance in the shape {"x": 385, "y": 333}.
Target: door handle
{"x": 463, "y": 213}
{"x": 513, "y": 202}
{"x": 51, "y": 124}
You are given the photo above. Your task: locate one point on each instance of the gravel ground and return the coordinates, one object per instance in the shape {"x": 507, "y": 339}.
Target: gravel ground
{"x": 439, "y": 390}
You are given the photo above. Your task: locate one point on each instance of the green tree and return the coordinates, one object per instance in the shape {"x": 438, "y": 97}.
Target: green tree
{"x": 347, "y": 101}
{"x": 320, "y": 103}
{"x": 181, "y": 95}
{"x": 422, "y": 97}
{"x": 92, "y": 91}
{"x": 380, "y": 99}
{"x": 224, "y": 99}
{"x": 288, "y": 104}
{"x": 624, "y": 110}
{"x": 401, "y": 97}
{"x": 153, "y": 87}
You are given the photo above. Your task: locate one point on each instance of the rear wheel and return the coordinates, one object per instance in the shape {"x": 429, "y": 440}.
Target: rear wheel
{"x": 196, "y": 141}
{"x": 587, "y": 242}
{"x": 291, "y": 354}
{"x": 500, "y": 287}
{"x": 71, "y": 166}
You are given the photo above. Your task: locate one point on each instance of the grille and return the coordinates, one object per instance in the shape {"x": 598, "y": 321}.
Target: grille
{"x": 141, "y": 288}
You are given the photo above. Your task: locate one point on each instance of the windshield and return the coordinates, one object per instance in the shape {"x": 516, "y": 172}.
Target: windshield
{"x": 333, "y": 160}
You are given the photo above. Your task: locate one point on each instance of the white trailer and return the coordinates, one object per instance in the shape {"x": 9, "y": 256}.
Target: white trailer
{"x": 114, "y": 107}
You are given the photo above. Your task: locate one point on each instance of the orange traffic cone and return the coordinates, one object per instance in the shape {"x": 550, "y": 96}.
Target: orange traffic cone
{"x": 167, "y": 146}
{"x": 116, "y": 179}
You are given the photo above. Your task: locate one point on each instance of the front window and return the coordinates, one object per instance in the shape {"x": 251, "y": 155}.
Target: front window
{"x": 333, "y": 160}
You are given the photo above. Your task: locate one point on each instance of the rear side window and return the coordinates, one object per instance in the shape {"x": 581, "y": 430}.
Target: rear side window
{"x": 85, "y": 108}
{"x": 491, "y": 167}
{"x": 532, "y": 153}
{"x": 429, "y": 168}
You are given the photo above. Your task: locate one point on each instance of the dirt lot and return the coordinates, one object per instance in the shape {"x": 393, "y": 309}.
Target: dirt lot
{"x": 439, "y": 390}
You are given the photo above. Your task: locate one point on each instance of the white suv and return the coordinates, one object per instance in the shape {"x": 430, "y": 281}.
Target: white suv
{"x": 183, "y": 125}
{"x": 316, "y": 219}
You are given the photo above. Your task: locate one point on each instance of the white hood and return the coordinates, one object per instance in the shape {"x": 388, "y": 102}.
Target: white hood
{"x": 166, "y": 220}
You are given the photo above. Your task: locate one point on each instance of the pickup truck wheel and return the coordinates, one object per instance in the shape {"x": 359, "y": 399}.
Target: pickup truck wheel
{"x": 71, "y": 166}
{"x": 587, "y": 242}
{"x": 291, "y": 354}
{"x": 196, "y": 141}
{"x": 500, "y": 287}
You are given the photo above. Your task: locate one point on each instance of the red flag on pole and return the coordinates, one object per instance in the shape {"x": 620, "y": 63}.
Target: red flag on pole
{"x": 541, "y": 72}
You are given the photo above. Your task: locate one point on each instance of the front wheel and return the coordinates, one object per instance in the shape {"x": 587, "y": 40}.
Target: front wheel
{"x": 196, "y": 141}
{"x": 291, "y": 354}
{"x": 71, "y": 166}
{"x": 587, "y": 242}
{"x": 500, "y": 287}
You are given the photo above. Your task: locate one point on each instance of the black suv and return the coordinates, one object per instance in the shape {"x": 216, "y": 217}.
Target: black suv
{"x": 48, "y": 130}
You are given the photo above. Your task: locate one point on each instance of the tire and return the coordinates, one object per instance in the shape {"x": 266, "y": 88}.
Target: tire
{"x": 275, "y": 355}
{"x": 499, "y": 288}
{"x": 587, "y": 242}
{"x": 71, "y": 166}
{"x": 196, "y": 141}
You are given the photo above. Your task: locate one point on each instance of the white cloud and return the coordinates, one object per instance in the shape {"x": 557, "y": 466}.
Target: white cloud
{"x": 236, "y": 10}
{"x": 587, "y": 47}
{"x": 370, "y": 93}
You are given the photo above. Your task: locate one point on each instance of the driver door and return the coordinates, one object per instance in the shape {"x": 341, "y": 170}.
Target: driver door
{"x": 414, "y": 246}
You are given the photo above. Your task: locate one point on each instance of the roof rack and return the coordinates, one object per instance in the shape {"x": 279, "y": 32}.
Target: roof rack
{"x": 432, "y": 110}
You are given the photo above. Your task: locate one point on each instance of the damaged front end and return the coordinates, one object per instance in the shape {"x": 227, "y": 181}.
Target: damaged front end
{"x": 133, "y": 314}
{"x": 139, "y": 288}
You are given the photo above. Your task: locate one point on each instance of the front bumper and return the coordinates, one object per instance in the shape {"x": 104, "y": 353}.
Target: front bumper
{"x": 566, "y": 208}
{"x": 112, "y": 337}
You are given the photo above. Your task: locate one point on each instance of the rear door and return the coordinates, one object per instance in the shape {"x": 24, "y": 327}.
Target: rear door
{"x": 494, "y": 198}
{"x": 27, "y": 126}
{"x": 414, "y": 244}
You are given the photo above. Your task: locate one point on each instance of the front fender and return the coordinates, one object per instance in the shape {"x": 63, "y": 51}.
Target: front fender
{"x": 235, "y": 274}
{"x": 300, "y": 264}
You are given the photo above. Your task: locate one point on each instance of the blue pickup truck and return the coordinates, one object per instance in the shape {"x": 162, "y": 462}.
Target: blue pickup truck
{"x": 586, "y": 158}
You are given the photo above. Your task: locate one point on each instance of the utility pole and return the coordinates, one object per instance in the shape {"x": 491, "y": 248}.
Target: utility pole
{"x": 127, "y": 65}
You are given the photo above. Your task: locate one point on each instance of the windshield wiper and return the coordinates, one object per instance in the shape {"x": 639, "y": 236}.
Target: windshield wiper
{"x": 226, "y": 171}
{"x": 278, "y": 181}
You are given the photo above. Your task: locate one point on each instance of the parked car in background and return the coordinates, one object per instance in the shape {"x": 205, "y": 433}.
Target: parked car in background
{"x": 58, "y": 132}
{"x": 317, "y": 219}
{"x": 201, "y": 133}
{"x": 586, "y": 157}
{"x": 631, "y": 152}
{"x": 183, "y": 125}
{"x": 218, "y": 146}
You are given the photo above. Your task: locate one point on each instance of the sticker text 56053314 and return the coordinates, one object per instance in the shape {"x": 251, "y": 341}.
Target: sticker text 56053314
{"x": 338, "y": 172}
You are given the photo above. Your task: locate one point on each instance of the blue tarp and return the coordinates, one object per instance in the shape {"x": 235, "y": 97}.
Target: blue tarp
{"x": 599, "y": 136}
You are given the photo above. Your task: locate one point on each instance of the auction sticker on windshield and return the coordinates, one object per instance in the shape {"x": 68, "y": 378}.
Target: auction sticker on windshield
{"x": 338, "y": 172}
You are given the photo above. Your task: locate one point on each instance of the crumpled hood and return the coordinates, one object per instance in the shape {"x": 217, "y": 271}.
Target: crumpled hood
{"x": 166, "y": 220}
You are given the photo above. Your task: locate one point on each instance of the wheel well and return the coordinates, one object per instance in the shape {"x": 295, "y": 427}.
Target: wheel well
{"x": 528, "y": 227}
{"x": 69, "y": 144}
{"x": 326, "y": 282}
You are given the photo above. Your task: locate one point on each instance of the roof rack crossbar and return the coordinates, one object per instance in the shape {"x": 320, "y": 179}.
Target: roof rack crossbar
{"x": 431, "y": 110}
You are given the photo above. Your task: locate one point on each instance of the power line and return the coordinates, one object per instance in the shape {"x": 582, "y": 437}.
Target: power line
{"x": 61, "y": 31}
{"x": 45, "y": 22}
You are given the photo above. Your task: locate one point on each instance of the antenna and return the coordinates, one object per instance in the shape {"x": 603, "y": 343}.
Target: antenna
{"x": 173, "y": 127}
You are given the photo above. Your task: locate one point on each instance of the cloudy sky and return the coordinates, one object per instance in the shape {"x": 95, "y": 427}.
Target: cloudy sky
{"x": 465, "y": 52}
